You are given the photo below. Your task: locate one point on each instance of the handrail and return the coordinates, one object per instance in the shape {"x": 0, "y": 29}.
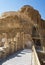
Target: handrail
{"x": 35, "y": 57}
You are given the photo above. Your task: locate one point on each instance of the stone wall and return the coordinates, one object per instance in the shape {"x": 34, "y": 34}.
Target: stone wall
{"x": 16, "y": 29}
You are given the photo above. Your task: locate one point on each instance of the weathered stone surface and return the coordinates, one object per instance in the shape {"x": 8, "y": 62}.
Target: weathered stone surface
{"x": 16, "y": 29}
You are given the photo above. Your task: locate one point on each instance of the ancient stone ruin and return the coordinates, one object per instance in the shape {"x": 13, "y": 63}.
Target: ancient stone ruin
{"x": 21, "y": 29}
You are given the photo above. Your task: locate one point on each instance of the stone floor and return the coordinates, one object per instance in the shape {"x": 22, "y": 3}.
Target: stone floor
{"x": 23, "y": 57}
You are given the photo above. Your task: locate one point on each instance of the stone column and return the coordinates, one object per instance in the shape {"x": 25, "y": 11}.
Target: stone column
{"x": 15, "y": 43}
{"x": 22, "y": 39}
{"x": 6, "y": 45}
{"x": 18, "y": 40}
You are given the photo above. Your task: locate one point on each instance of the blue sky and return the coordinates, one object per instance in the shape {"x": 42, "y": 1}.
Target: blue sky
{"x": 14, "y": 5}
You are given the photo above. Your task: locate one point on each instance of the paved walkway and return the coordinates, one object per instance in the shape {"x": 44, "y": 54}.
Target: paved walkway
{"x": 23, "y": 57}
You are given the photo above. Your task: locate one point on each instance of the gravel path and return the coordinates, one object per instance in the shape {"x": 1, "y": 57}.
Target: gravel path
{"x": 23, "y": 57}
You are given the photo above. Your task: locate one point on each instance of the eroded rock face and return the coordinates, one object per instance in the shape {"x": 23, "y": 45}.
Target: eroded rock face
{"x": 31, "y": 12}
{"x": 17, "y": 27}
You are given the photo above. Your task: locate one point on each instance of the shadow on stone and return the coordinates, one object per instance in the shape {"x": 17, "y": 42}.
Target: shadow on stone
{"x": 10, "y": 57}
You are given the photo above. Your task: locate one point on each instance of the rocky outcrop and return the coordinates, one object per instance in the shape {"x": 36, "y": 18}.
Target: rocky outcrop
{"x": 31, "y": 12}
{"x": 16, "y": 28}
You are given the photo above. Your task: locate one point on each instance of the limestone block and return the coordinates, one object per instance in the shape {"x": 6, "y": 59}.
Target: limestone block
{"x": 18, "y": 47}
{"x": 15, "y": 47}
{"x": 7, "y": 48}
{"x": 15, "y": 43}
{"x": 2, "y": 53}
{"x": 0, "y": 44}
{"x": 11, "y": 47}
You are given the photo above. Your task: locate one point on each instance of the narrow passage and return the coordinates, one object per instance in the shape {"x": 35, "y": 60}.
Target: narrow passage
{"x": 23, "y": 57}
